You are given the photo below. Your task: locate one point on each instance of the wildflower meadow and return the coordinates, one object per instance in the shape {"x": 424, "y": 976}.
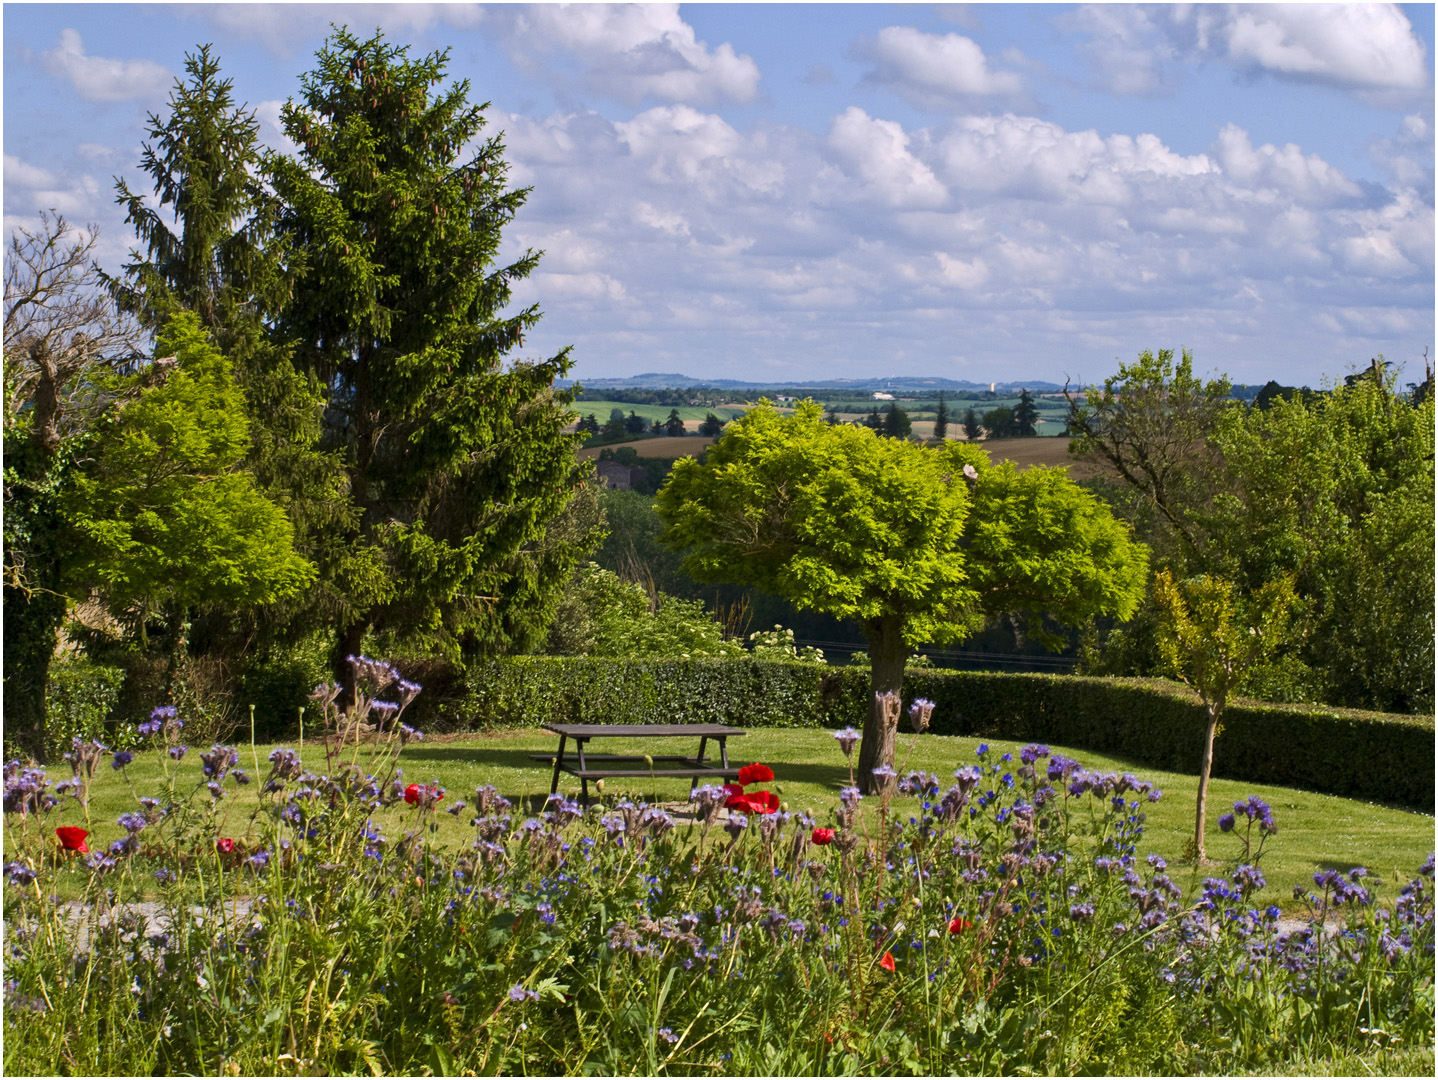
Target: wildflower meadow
{"x": 998, "y": 920}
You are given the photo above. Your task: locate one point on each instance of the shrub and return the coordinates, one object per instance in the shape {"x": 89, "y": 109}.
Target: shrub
{"x": 78, "y": 700}
{"x": 1378, "y": 756}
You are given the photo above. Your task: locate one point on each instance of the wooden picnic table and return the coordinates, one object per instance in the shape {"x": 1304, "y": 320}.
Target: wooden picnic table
{"x": 589, "y": 767}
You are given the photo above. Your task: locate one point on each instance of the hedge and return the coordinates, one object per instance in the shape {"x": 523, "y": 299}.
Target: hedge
{"x": 1380, "y": 757}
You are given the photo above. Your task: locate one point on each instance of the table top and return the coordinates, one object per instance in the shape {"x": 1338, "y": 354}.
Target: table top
{"x": 641, "y": 731}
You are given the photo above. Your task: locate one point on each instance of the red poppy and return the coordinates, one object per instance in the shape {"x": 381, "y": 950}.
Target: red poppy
{"x": 761, "y": 802}
{"x": 733, "y": 791}
{"x": 224, "y": 845}
{"x": 958, "y": 924}
{"x": 72, "y": 838}
{"x": 823, "y": 836}
{"x": 887, "y": 961}
{"x": 755, "y": 774}
{"x": 414, "y": 791}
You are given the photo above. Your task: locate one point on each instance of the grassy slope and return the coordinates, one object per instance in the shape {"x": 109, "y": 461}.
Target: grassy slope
{"x": 1315, "y": 830}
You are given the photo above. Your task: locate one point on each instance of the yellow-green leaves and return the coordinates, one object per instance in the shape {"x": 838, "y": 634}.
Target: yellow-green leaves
{"x": 163, "y": 514}
{"x": 842, "y": 521}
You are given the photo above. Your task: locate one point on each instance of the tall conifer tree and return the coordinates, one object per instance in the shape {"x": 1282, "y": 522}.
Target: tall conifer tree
{"x": 456, "y": 456}
{"x": 210, "y": 248}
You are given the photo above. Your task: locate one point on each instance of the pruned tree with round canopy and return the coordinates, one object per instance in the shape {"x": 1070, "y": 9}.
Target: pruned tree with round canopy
{"x": 919, "y": 545}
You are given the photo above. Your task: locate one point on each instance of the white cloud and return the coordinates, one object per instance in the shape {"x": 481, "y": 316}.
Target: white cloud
{"x": 877, "y": 151}
{"x": 627, "y": 51}
{"x": 1357, "y": 45}
{"x": 96, "y": 78}
{"x": 1012, "y": 234}
{"x": 1130, "y": 52}
{"x": 935, "y": 71}
{"x": 1367, "y": 48}
{"x": 1307, "y": 179}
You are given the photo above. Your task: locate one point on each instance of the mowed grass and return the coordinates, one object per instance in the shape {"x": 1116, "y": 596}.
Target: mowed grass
{"x": 1315, "y": 831}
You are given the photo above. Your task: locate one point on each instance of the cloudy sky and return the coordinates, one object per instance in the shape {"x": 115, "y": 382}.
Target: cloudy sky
{"x": 822, "y": 191}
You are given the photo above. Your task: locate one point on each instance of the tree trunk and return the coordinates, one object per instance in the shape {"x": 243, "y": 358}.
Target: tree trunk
{"x": 179, "y": 646}
{"x": 349, "y": 643}
{"x": 1203, "y": 771}
{"x": 886, "y": 673}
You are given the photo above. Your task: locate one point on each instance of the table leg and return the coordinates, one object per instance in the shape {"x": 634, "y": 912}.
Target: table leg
{"x": 583, "y": 780}
{"x": 558, "y": 758}
{"x": 698, "y": 763}
{"x": 723, "y": 752}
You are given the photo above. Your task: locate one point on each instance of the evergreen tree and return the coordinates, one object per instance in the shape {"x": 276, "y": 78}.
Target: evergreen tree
{"x": 635, "y": 424}
{"x": 589, "y": 425}
{"x": 896, "y": 422}
{"x": 674, "y": 425}
{"x": 971, "y": 425}
{"x": 220, "y": 261}
{"x": 711, "y": 426}
{"x": 875, "y": 422}
{"x": 1026, "y": 416}
{"x": 456, "y": 459}
{"x": 833, "y": 417}
{"x": 941, "y": 419}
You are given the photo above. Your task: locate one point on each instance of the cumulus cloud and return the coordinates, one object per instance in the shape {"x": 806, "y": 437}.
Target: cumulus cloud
{"x": 1028, "y": 243}
{"x": 1141, "y": 48}
{"x": 1358, "y": 45}
{"x": 96, "y": 78}
{"x": 628, "y": 52}
{"x": 935, "y": 71}
{"x": 877, "y": 152}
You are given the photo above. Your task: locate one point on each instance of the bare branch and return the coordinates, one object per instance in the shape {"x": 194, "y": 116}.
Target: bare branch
{"x": 61, "y": 327}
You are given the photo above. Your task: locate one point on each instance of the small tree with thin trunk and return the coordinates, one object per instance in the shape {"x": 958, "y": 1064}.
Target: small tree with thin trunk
{"x": 918, "y": 545}
{"x": 1210, "y": 637}
{"x": 941, "y": 419}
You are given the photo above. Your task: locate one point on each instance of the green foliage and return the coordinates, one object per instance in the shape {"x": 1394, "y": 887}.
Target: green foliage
{"x": 78, "y": 701}
{"x": 1333, "y": 489}
{"x": 999, "y": 423}
{"x": 1210, "y": 636}
{"x": 393, "y": 213}
{"x": 888, "y": 533}
{"x": 1338, "y": 492}
{"x": 1026, "y": 416}
{"x": 221, "y": 260}
{"x": 1383, "y": 757}
{"x": 603, "y": 615}
{"x": 278, "y": 682}
{"x": 1151, "y": 423}
{"x": 897, "y": 424}
{"x": 162, "y": 515}
{"x": 972, "y": 428}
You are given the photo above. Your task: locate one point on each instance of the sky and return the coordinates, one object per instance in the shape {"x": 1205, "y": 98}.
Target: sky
{"x": 818, "y": 191}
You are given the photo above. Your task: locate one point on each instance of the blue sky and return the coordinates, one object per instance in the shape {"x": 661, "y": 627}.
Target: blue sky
{"x": 823, "y": 191}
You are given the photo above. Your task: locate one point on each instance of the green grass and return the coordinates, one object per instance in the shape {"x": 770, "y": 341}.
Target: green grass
{"x": 1315, "y": 831}
{"x": 690, "y": 414}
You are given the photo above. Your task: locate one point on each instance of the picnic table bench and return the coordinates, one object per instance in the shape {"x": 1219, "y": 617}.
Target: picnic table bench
{"x": 587, "y": 767}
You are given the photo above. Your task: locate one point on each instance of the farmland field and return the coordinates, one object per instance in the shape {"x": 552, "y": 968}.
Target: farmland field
{"x": 690, "y": 414}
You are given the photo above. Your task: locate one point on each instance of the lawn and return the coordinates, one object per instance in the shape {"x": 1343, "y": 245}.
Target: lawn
{"x": 1315, "y": 831}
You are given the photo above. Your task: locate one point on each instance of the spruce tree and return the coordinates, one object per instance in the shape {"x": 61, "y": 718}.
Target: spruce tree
{"x": 209, "y": 248}
{"x": 972, "y": 430}
{"x": 456, "y": 453}
{"x": 941, "y": 419}
{"x": 1026, "y": 416}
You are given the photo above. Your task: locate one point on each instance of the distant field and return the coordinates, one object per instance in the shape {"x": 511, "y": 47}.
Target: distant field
{"x": 690, "y": 414}
{"x": 1022, "y": 452}
{"x": 663, "y": 447}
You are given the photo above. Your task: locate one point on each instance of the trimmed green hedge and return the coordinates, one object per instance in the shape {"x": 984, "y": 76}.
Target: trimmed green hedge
{"x": 1377, "y": 756}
